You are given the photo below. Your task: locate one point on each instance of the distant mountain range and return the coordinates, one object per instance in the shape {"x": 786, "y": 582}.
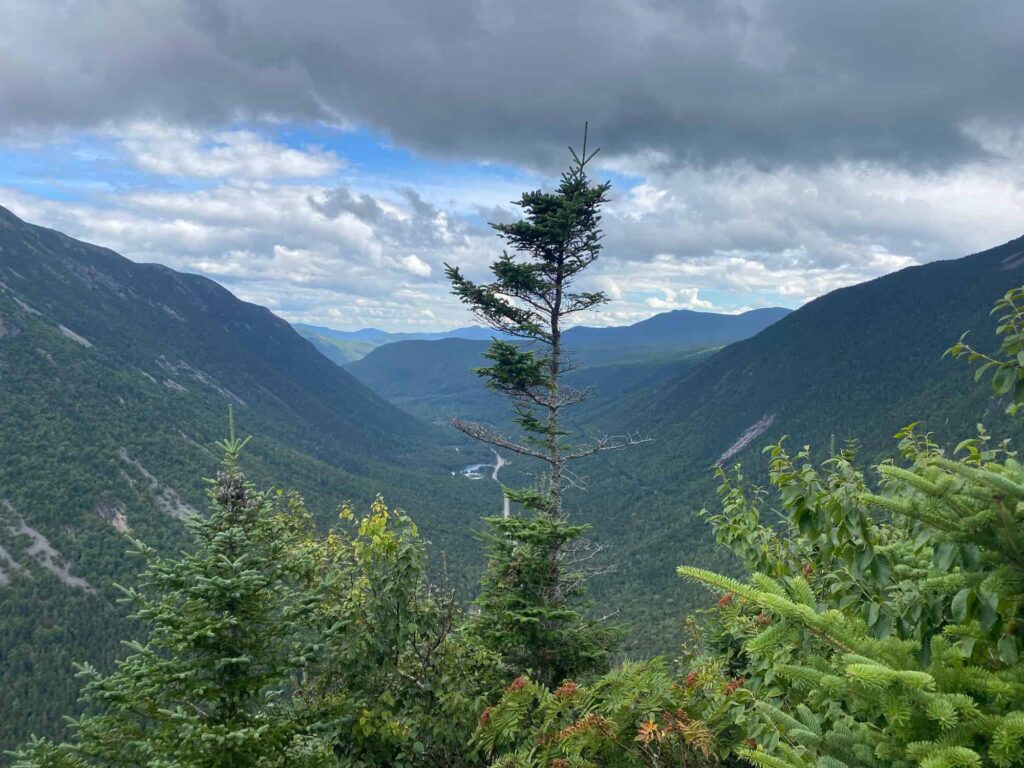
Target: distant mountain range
{"x": 434, "y": 379}
{"x": 676, "y": 331}
{"x": 344, "y": 347}
{"x": 387, "y": 337}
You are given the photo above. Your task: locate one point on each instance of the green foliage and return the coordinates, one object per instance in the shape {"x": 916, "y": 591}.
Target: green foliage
{"x": 208, "y": 686}
{"x": 881, "y": 628}
{"x": 636, "y": 715}
{"x": 1007, "y": 372}
{"x": 392, "y": 679}
{"x": 880, "y": 613}
{"x": 859, "y": 362}
{"x": 270, "y": 646}
{"x": 120, "y": 433}
{"x": 530, "y": 603}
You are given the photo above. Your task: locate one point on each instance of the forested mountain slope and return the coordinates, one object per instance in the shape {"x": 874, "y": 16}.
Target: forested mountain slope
{"x": 434, "y": 380}
{"x": 670, "y": 332}
{"x": 431, "y": 379}
{"x": 858, "y": 363}
{"x": 853, "y": 363}
{"x": 115, "y": 380}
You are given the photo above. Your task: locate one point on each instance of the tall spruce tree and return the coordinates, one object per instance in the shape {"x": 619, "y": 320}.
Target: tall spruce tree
{"x": 533, "y": 595}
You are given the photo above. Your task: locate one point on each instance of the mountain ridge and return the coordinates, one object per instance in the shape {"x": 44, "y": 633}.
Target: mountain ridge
{"x": 680, "y": 328}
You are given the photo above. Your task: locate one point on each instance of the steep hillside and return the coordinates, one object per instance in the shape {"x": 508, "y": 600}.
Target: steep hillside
{"x": 115, "y": 380}
{"x": 432, "y": 379}
{"x": 858, "y": 363}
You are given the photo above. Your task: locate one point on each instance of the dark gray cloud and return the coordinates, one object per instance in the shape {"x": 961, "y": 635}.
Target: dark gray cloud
{"x": 786, "y": 82}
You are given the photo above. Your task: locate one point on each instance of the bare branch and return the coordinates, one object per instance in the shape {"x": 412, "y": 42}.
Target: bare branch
{"x": 610, "y": 443}
{"x": 609, "y": 615}
{"x": 542, "y": 305}
{"x": 488, "y": 435}
{"x": 568, "y": 363}
{"x": 571, "y": 395}
{"x": 581, "y": 551}
{"x": 577, "y": 566}
{"x": 574, "y": 480}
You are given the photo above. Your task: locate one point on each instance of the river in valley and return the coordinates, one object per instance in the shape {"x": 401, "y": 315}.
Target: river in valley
{"x": 480, "y": 471}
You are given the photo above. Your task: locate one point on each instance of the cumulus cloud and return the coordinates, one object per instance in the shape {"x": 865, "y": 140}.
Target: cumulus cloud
{"x": 415, "y": 265}
{"x": 794, "y": 233}
{"x": 237, "y": 154}
{"x": 685, "y": 298}
{"x": 722, "y": 239}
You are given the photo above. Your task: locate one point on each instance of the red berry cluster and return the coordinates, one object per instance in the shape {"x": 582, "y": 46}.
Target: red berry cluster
{"x": 566, "y": 690}
{"x": 734, "y": 684}
{"x": 517, "y": 685}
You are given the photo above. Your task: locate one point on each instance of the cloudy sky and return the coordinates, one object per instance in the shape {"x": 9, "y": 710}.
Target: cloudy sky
{"x": 326, "y": 157}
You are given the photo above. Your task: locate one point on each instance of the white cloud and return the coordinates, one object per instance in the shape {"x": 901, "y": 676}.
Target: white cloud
{"x": 357, "y": 250}
{"x": 312, "y": 253}
{"x": 609, "y": 286}
{"x": 415, "y": 265}
{"x": 684, "y": 298}
{"x": 237, "y": 154}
